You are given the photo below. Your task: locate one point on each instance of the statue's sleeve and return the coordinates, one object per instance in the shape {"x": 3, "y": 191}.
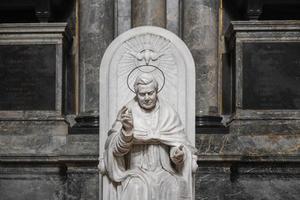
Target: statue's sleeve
{"x": 121, "y": 144}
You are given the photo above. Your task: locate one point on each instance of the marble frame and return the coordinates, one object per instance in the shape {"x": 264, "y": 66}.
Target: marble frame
{"x": 255, "y": 32}
{"x": 30, "y": 34}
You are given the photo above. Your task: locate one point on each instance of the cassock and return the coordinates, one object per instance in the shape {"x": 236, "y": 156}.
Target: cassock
{"x": 140, "y": 167}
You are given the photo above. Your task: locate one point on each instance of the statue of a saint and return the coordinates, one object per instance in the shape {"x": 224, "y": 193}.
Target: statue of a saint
{"x": 148, "y": 156}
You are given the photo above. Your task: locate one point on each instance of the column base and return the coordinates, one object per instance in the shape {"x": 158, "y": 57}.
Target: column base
{"x": 210, "y": 125}
{"x": 85, "y": 125}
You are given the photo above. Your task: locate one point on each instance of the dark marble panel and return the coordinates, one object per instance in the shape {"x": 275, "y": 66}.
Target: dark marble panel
{"x": 212, "y": 183}
{"x": 271, "y": 75}
{"x": 28, "y": 77}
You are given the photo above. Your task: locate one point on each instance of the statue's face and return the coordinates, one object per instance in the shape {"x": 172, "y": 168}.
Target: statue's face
{"x": 147, "y": 96}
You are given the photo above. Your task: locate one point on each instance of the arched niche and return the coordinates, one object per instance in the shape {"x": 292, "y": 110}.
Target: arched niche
{"x": 167, "y": 52}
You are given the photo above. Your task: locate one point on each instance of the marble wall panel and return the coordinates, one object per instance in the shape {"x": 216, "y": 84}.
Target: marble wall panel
{"x": 82, "y": 183}
{"x": 32, "y": 137}
{"x": 211, "y": 179}
{"x": 258, "y": 139}
{"x": 19, "y": 182}
{"x": 262, "y": 182}
{"x": 82, "y": 145}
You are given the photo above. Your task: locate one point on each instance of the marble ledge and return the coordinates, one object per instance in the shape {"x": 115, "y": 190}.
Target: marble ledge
{"x": 216, "y": 158}
{"x": 48, "y": 159}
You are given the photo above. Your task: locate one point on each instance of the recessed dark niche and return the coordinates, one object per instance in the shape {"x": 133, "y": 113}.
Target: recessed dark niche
{"x": 22, "y": 11}
{"x": 28, "y": 76}
{"x": 263, "y": 9}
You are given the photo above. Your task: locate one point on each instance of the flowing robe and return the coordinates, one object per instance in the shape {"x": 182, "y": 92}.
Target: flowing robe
{"x": 141, "y": 167}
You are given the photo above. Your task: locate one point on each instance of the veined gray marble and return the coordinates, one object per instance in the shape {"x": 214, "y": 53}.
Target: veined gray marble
{"x": 174, "y": 16}
{"x": 122, "y": 16}
{"x": 82, "y": 182}
{"x": 200, "y": 33}
{"x": 31, "y": 182}
{"x": 264, "y": 181}
{"x": 257, "y": 140}
{"x": 96, "y": 32}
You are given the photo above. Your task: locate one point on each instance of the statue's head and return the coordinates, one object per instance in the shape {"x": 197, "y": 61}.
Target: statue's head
{"x": 146, "y": 89}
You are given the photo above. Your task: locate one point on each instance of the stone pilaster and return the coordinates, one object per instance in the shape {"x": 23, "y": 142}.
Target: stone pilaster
{"x": 174, "y": 16}
{"x": 122, "y": 16}
{"x": 96, "y": 31}
{"x": 200, "y": 33}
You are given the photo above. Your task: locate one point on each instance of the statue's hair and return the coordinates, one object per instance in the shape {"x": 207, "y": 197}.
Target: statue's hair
{"x": 145, "y": 79}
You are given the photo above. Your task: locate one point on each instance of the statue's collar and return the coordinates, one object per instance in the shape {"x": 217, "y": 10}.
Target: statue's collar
{"x": 155, "y": 109}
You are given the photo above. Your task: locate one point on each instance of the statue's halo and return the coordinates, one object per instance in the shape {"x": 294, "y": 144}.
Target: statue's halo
{"x": 154, "y": 70}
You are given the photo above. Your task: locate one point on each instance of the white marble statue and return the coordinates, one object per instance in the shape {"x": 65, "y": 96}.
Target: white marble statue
{"x": 144, "y": 151}
{"x": 147, "y": 154}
